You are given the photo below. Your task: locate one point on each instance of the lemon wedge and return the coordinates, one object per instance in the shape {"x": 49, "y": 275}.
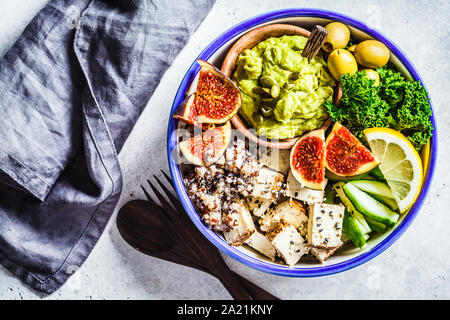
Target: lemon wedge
{"x": 400, "y": 164}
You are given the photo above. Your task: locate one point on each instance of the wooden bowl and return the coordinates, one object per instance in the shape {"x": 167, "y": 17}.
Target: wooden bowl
{"x": 248, "y": 41}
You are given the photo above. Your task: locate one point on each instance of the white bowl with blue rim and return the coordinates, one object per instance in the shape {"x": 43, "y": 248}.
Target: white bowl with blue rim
{"x": 214, "y": 53}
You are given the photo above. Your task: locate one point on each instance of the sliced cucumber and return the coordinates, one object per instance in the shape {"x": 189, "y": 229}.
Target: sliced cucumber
{"x": 374, "y": 187}
{"x": 359, "y": 218}
{"x": 379, "y": 190}
{"x": 369, "y": 206}
{"x": 375, "y": 225}
{"x": 391, "y": 203}
{"x": 351, "y": 229}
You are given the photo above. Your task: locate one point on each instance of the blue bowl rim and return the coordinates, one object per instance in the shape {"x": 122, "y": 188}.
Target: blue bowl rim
{"x": 216, "y": 239}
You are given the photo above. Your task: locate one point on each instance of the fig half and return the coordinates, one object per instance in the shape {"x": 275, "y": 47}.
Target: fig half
{"x": 205, "y": 148}
{"x": 216, "y": 99}
{"x": 345, "y": 155}
{"x": 308, "y": 160}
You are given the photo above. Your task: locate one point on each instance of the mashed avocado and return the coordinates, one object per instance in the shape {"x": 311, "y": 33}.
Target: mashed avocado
{"x": 283, "y": 95}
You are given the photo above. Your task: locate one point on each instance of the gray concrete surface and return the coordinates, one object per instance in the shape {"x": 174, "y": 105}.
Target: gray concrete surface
{"x": 417, "y": 266}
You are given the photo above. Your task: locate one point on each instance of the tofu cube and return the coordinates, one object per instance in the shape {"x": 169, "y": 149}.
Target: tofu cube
{"x": 288, "y": 243}
{"x": 276, "y": 159}
{"x": 268, "y": 184}
{"x": 245, "y": 226}
{"x": 261, "y": 243}
{"x": 258, "y": 206}
{"x": 291, "y": 211}
{"x": 295, "y": 190}
{"x": 325, "y": 225}
{"x": 323, "y": 254}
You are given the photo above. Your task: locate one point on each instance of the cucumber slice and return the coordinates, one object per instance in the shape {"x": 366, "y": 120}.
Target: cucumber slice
{"x": 375, "y": 225}
{"x": 352, "y": 231}
{"x": 359, "y": 218}
{"x": 391, "y": 203}
{"x": 374, "y": 188}
{"x": 379, "y": 190}
{"x": 369, "y": 206}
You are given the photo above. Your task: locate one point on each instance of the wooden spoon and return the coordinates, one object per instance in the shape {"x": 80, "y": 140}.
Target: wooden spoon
{"x": 149, "y": 233}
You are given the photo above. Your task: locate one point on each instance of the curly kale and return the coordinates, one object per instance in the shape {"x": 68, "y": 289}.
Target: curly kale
{"x": 413, "y": 115}
{"x": 391, "y": 85}
{"x": 395, "y": 103}
{"x": 361, "y": 106}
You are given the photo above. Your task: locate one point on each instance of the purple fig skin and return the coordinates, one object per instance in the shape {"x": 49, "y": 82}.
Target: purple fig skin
{"x": 184, "y": 109}
{"x": 186, "y": 112}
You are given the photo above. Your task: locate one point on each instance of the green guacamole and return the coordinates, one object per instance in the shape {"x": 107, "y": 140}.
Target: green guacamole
{"x": 297, "y": 105}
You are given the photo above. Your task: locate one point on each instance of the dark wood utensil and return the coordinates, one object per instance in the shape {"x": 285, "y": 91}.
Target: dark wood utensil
{"x": 197, "y": 243}
{"x": 315, "y": 42}
{"x": 145, "y": 231}
{"x": 150, "y": 229}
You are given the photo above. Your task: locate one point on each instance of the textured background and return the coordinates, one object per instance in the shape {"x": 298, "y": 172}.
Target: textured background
{"x": 415, "y": 267}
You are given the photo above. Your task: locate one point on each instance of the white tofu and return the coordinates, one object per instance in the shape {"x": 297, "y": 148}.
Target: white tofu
{"x": 325, "y": 225}
{"x": 260, "y": 243}
{"x": 323, "y": 254}
{"x": 295, "y": 190}
{"x": 276, "y": 159}
{"x": 268, "y": 184}
{"x": 258, "y": 206}
{"x": 244, "y": 229}
{"x": 288, "y": 243}
{"x": 291, "y": 211}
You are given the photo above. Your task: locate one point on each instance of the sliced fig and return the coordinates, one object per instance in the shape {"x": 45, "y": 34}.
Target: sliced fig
{"x": 186, "y": 111}
{"x": 308, "y": 160}
{"x": 205, "y": 148}
{"x": 216, "y": 99}
{"x": 346, "y": 155}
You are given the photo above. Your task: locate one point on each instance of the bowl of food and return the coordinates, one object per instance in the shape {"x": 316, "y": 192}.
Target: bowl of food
{"x": 356, "y": 169}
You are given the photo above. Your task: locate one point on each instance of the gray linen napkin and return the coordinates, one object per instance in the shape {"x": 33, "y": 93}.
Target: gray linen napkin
{"x": 71, "y": 90}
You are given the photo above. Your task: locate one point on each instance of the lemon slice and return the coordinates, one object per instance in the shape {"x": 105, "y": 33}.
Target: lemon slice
{"x": 400, "y": 164}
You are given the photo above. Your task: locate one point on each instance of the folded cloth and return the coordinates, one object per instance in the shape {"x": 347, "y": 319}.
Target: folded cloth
{"x": 72, "y": 88}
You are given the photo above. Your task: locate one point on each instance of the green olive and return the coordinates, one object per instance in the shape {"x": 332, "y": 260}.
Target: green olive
{"x": 337, "y": 38}
{"x": 341, "y": 62}
{"x": 257, "y": 117}
{"x": 266, "y": 111}
{"x": 267, "y": 81}
{"x": 372, "y": 74}
{"x": 372, "y": 54}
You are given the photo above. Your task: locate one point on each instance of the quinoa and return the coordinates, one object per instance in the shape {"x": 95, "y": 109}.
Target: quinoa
{"x": 215, "y": 190}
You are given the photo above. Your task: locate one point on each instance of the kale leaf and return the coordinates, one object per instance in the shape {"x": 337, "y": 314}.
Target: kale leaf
{"x": 395, "y": 103}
